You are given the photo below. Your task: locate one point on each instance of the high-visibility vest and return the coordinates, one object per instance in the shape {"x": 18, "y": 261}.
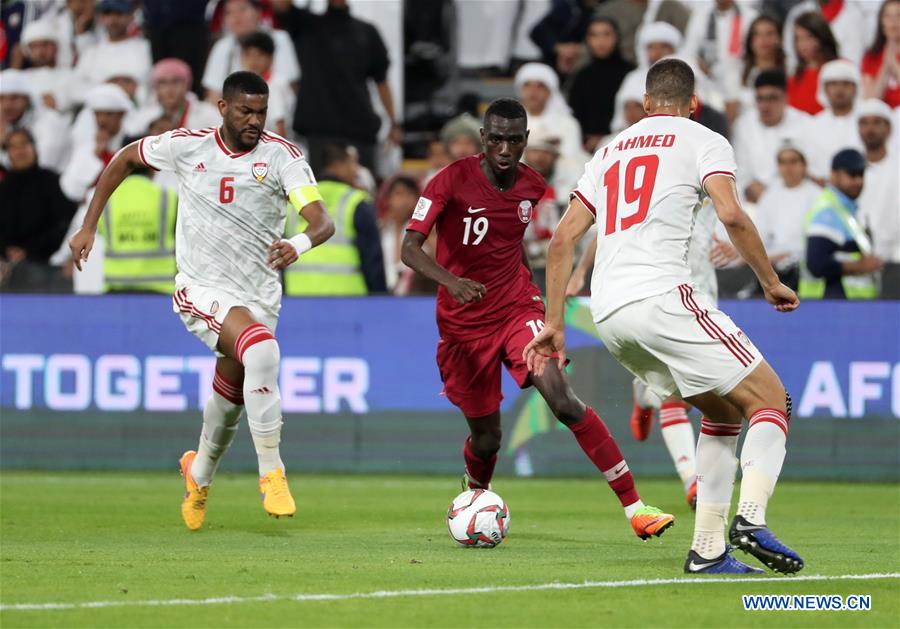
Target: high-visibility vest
{"x": 855, "y": 286}
{"x": 334, "y": 267}
{"x": 138, "y": 229}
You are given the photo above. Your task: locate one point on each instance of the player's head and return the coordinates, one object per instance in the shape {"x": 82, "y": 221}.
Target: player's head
{"x": 670, "y": 88}
{"x": 244, "y": 102}
{"x": 504, "y": 134}
{"x": 848, "y": 169}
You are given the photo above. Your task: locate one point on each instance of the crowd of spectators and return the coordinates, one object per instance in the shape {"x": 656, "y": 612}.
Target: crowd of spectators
{"x": 792, "y": 83}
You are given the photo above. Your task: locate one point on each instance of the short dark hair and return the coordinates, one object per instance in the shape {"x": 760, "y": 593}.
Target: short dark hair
{"x": 334, "y": 152}
{"x": 771, "y": 78}
{"x": 243, "y": 82}
{"x": 670, "y": 80}
{"x": 508, "y": 108}
{"x": 259, "y": 40}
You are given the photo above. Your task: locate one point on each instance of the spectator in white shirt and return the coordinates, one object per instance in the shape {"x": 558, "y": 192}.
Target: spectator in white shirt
{"x": 172, "y": 79}
{"x": 782, "y": 210}
{"x": 834, "y": 128}
{"x": 655, "y": 41}
{"x": 50, "y": 83}
{"x": 109, "y": 105}
{"x": 242, "y": 18}
{"x": 538, "y": 88}
{"x": 257, "y": 55}
{"x": 119, "y": 50}
{"x": 17, "y": 111}
{"x": 758, "y": 134}
{"x": 879, "y": 203}
{"x": 76, "y": 27}
{"x": 714, "y": 38}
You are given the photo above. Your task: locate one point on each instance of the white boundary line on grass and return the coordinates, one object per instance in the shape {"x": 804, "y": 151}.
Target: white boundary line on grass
{"x": 300, "y": 598}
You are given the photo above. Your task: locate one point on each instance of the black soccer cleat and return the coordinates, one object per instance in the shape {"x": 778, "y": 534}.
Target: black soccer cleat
{"x": 759, "y": 541}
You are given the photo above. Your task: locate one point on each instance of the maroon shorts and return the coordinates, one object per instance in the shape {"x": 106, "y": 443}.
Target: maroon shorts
{"x": 470, "y": 370}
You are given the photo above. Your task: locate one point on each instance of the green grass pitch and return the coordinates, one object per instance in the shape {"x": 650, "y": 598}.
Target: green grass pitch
{"x": 117, "y": 537}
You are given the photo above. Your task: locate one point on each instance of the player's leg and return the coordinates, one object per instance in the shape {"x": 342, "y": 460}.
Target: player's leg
{"x": 220, "y": 423}
{"x": 480, "y": 450}
{"x": 720, "y": 429}
{"x": 252, "y": 345}
{"x": 762, "y": 399}
{"x": 678, "y": 435}
{"x": 221, "y": 416}
{"x": 470, "y": 372}
{"x": 601, "y": 448}
{"x": 643, "y": 407}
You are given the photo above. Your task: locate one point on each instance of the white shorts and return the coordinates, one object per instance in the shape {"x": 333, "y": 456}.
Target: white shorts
{"x": 679, "y": 341}
{"x": 203, "y": 309}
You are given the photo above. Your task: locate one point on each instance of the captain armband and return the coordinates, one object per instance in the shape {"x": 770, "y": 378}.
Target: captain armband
{"x": 303, "y": 196}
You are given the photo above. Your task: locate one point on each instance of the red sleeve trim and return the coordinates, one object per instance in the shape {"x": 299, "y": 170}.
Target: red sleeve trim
{"x": 715, "y": 172}
{"x": 587, "y": 203}
{"x": 141, "y": 155}
{"x": 418, "y": 226}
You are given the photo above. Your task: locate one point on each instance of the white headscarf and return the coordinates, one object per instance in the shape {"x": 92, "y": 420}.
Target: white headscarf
{"x": 837, "y": 70}
{"x": 656, "y": 32}
{"x": 544, "y": 74}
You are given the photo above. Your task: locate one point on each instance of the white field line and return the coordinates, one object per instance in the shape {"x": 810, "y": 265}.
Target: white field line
{"x": 300, "y": 598}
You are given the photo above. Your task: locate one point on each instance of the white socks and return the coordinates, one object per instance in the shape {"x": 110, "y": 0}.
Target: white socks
{"x": 678, "y": 433}
{"x": 259, "y": 353}
{"x": 761, "y": 459}
{"x": 220, "y": 424}
{"x": 716, "y": 467}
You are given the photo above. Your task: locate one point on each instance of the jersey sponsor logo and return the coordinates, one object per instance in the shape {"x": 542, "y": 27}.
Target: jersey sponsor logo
{"x": 260, "y": 170}
{"x": 200, "y": 168}
{"x": 476, "y": 210}
{"x": 422, "y": 208}
{"x": 525, "y": 211}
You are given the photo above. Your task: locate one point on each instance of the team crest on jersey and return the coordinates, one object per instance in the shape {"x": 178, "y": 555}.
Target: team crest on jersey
{"x": 260, "y": 170}
{"x": 525, "y": 208}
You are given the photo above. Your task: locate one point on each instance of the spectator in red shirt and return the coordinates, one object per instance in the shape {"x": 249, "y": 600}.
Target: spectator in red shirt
{"x": 881, "y": 63}
{"x": 815, "y": 46}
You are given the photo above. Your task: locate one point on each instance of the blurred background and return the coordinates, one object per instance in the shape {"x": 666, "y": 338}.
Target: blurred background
{"x": 381, "y": 94}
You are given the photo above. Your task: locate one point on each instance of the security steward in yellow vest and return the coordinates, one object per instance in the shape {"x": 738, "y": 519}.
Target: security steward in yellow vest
{"x": 838, "y": 263}
{"x": 350, "y": 262}
{"x": 138, "y": 230}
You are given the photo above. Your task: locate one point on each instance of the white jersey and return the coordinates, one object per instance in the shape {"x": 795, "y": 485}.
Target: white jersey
{"x": 644, "y": 189}
{"x": 703, "y": 272}
{"x": 231, "y": 207}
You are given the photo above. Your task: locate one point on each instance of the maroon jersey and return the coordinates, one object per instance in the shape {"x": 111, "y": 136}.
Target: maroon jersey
{"x": 479, "y": 237}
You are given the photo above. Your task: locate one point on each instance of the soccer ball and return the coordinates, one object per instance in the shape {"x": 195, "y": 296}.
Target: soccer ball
{"x": 478, "y": 517}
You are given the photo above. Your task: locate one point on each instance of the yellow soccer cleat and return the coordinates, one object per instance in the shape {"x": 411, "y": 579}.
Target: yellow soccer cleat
{"x": 276, "y": 495}
{"x": 193, "y": 507}
{"x": 649, "y": 521}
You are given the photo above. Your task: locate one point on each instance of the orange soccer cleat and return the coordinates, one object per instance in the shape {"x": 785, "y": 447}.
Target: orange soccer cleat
{"x": 649, "y": 521}
{"x": 193, "y": 507}
{"x": 692, "y": 496}
{"x": 276, "y": 495}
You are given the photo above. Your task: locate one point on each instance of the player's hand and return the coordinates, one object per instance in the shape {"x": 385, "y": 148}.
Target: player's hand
{"x": 80, "y": 244}
{"x": 465, "y": 291}
{"x": 282, "y": 254}
{"x": 541, "y": 349}
{"x": 722, "y": 253}
{"x": 782, "y": 297}
{"x": 576, "y": 283}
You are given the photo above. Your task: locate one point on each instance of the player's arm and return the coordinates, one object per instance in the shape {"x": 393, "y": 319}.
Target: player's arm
{"x": 307, "y": 200}
{"x": 551, "y": 340}
{"x": 746, "y": 240}
{"x": 415, "y": 257}
{"x": 122, "y": 165}
{"x": 576, "y": 282}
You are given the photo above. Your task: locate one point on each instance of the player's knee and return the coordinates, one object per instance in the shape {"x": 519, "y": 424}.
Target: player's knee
{"x": 264, "y": 356}
{"x": 567, "y": 408}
